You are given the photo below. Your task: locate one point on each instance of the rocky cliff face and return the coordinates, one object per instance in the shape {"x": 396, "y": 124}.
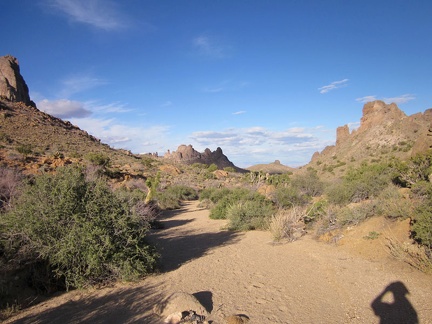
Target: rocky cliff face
{"x": 12, "y": 84}
{"x": 384, "y": 130}
{"x": 188, "y": 155}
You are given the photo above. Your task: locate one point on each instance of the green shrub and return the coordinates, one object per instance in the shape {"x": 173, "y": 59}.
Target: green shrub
{"x": 212, "y": 167}
{"x": 224, "y": 198}
{"x": 99, "y": 159}
{"x": 361, "y": 183}
{"x": 418, "y": 168}
{"x": 25, "y": 149}
{"x": 249, "y": 215}
{"x": 353, "y": 215}
{"x": 80, "y": 230}
{"x": 289, "y": 197}
{"x": 422, "y": 227}
{"x": 308, "y": 183}
{"x": 392, "y": 204}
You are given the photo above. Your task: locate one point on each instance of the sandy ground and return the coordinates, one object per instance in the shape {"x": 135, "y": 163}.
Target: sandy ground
{"x": 245, "y": 273}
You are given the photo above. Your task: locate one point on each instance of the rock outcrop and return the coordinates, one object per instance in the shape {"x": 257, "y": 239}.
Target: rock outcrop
{"x": 12, "y": 84}
{"x": 188, "y": 155}
{"x": 384, "y": 130}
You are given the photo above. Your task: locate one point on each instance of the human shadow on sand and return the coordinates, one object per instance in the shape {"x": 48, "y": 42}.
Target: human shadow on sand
{"x": 125, "y": 305}
{"x": 179, "y": 243}
{"x": 399, "y": 310}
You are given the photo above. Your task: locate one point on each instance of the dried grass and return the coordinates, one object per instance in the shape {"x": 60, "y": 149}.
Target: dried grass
{"x": 287, "y": 224}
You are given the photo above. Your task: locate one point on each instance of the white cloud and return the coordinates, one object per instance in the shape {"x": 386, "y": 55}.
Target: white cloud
{"x": 334, "y": 85}
{"x": 121, "y": 135}
{"x": 101, "y": 14}
{"x": 397, "y": 100}
{"x": 248, "y": 146}
{"x": 241, "y": 112}
{"x": 64, "y": 108}
{"x": 209, "y": 47}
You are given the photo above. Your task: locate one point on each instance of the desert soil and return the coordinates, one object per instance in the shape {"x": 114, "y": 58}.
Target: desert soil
{"x": 305, "y": 281}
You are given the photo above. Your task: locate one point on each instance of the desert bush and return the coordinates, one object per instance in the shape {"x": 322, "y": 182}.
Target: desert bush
{"x": 212, "y": 167}
{"x": 392, "y": 204}
{"x": 328, "y": 220}
{"x": 229, "y": 169}
{"x": 361, "y": 183}
{"x": 417, "y": 256}
{"x": 285, "y": 223}
{"x": 418, "y": 168}
{"x": 10, "y": 181}
{"x": 25, "y": 149}
{"x": 99, "y": 159}
{"x": 223, "y": 198}
{"x": 80, "y": 231}
{"x": 422, "y": 224}
{"x": 316, "y": 211}
{"x": 171, "y": 197}
{"x": 308, "y": 183}
{"x": 287, "y": 197}
{"x": 421, "y": 190}
{"x": 354, "y": 214}
{"x": 249, "y": 215}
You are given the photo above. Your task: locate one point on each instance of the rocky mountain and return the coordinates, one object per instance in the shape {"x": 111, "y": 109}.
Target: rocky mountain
{"x": 186, "y": 154}
{"x": 385, "y": 131}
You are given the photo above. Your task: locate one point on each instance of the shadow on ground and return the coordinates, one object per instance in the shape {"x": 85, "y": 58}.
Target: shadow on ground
{"x": 178, "y": 243}
{"x": 128, "y": 305}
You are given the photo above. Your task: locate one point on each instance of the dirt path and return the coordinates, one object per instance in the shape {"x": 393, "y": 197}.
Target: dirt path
{"x": 300, "y": 282}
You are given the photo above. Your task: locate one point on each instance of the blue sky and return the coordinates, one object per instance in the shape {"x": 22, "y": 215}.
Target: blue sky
{"x": 263, "y": 80}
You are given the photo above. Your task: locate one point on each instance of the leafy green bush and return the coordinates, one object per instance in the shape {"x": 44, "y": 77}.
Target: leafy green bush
{"x": 80, "y": 230}
{"x": 249, "y": 215}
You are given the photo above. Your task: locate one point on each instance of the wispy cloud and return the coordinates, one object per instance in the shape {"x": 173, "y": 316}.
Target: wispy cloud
{"x": 334, "y": 85}
{"x": 101, "y": 14}
{"x": 367, "y": 99}
{"x": 241, "y": 112}
{"x": 79, "y": 83}
{"x": 400, "y": 100}
{"x": 397, "y": 100}
{"x": 209, "y": 46}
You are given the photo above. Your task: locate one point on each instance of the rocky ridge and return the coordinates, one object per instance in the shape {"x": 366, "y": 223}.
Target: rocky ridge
{"x": 186, "y": 154}
{"x": 384, "y": 131}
